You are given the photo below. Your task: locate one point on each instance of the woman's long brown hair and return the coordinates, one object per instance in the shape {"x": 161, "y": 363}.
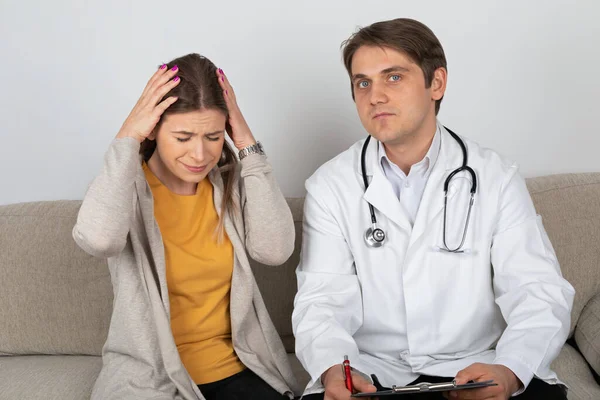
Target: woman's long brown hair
{"x": 199, "y": 89}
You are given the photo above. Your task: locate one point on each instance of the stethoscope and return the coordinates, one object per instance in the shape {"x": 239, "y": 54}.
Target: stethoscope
{"x": 375, "y": 236}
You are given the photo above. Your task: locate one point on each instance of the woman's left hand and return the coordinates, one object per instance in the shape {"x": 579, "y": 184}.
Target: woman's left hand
{"x": 236, "y": 126}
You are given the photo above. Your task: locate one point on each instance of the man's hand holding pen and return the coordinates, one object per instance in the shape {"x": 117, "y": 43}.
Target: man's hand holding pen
{"x": 336, "y": 385}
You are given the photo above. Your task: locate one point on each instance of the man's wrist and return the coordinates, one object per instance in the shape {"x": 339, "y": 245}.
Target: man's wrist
{"x": 327, "y": 371}
{"x": 515, "y": 383}
{"x": 518, "y": 368}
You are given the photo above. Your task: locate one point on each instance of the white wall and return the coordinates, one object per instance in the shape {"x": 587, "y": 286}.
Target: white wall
{"x": 523, "y": 79}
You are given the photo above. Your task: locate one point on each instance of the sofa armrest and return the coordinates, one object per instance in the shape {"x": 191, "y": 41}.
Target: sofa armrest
{"x": 587, "y": 333}
{"x": 571, "y": 368}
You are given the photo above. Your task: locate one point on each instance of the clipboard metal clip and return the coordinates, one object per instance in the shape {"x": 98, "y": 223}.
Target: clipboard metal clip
{"x": 425, "y": 387}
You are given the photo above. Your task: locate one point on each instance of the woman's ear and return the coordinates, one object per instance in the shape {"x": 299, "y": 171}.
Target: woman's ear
{"x": 152, "y": 135}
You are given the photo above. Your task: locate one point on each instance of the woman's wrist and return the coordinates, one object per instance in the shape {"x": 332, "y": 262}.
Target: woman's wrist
{"x": 255, "y": 148}
{"x": 246, "y": 142}
{"x": 123, "y": 134}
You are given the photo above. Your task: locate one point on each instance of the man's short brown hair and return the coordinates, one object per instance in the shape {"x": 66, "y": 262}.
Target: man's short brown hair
{"x": 405, "y": 35}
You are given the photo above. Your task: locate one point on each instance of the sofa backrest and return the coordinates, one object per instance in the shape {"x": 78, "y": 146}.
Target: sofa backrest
{"x": 56, "y": 299}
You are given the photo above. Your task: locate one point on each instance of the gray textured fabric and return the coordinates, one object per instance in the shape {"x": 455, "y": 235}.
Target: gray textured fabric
{"x": 54, "y": 298}
{"x": 570, "y": 207}
{"x": 587, "y": 333}
{"x": 116, "y": 220}
{"x": 572, "y": 369}
{"x": 48, "y": 377}
{"x": 299, "y": 371}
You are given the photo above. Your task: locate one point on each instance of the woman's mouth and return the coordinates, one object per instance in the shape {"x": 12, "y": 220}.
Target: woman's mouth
{"x": 195, "y": 169}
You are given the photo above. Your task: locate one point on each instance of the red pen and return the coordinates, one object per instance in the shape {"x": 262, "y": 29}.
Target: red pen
{"x": 347, "y": 373}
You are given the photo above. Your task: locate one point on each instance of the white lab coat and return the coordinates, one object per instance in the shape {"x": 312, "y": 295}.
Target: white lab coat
{"x": 407, "y": 309}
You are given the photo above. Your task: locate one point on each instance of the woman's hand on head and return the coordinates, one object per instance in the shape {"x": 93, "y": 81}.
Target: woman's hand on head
{"x": 237, "y": 128}
{"x": 147, "y": 111}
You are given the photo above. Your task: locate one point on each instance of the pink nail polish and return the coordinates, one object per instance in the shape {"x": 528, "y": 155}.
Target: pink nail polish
{"x": 222, "y": 79}
{"x": 226, "y": 91}
{"x": 174, "y": 68}
{"x": 163, "y": 66}
{"x": 175, "y": 79}
{"x": 220, "y": 71}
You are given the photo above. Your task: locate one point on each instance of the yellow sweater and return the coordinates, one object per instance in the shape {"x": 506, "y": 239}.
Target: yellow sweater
{"x": 199, "y": 271}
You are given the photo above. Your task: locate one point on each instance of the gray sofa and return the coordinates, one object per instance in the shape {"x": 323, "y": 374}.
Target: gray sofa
{"x": 55, "y": 300}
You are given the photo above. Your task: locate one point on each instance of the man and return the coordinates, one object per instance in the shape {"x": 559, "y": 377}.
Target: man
{"x": 437, "y": 288}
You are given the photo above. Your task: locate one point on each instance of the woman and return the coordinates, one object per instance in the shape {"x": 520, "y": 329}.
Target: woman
{"x": 175, "y": 215}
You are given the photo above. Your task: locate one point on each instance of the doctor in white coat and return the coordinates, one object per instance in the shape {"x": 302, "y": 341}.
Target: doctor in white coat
{"x": 409, "y": 310}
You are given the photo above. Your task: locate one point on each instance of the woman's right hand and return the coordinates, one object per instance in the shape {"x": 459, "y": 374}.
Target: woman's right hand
{"x": 147, "y": 111}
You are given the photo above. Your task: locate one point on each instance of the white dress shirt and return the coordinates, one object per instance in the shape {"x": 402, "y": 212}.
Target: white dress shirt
{"x": 409, "y": 189}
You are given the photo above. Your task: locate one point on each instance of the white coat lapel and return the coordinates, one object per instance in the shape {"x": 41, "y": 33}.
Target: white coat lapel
{"x": 431, "y": 208}
{"x": 380, "y": 193}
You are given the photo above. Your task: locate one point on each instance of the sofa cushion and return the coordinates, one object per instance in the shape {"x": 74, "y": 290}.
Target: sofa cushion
{"x": 587, "y": 333}
{"x": 570, "y": 207}
{"x": 54, "y": 298}
{"x": 48, "y": 377}
{"x": 572, "y": 369}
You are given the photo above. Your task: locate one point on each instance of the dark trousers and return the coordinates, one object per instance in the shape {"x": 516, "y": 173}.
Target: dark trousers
{"x": 245, "y": 385}
{"x": 537, "y": 390}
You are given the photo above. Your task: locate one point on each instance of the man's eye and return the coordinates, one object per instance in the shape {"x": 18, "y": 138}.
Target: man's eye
{"x": 395, "y": 78}
{"x": 182, "y": 140}
{"x": 363, "y": 84}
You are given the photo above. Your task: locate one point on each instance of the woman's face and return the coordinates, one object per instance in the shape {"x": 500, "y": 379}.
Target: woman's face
{"x": 188, "y": 146}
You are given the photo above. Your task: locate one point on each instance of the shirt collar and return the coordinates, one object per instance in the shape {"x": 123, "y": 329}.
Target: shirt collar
{"x": 425, "y": 165}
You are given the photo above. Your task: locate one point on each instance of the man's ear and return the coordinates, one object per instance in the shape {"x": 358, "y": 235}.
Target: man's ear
{"x": 438, "y": 83}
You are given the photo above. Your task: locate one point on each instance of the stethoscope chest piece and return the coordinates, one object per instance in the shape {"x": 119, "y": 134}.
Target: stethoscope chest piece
{"x": 374, "y": 237}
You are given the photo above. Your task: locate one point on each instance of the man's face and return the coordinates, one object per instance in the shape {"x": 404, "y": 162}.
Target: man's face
{"x": 390, "y": 94}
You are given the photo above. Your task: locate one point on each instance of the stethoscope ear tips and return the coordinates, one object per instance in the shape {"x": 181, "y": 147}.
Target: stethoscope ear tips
{"x": 374, "y": 237}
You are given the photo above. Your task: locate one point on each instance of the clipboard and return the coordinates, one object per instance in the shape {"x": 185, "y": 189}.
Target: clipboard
{"x": 423, "y": 387}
